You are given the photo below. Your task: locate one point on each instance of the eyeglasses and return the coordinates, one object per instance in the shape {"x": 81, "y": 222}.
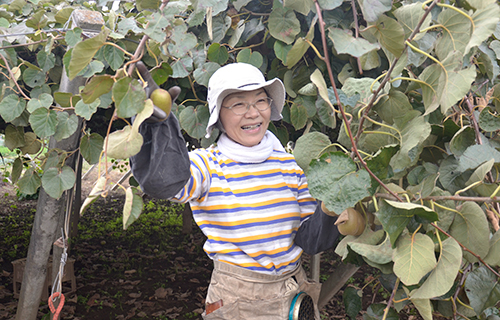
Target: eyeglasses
{"x": 241, "y": 107}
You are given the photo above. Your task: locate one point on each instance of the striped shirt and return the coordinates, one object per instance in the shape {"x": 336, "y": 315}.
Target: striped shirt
{"x": 249, "y": 212}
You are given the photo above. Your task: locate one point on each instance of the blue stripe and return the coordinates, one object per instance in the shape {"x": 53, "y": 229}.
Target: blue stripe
{"x": 249, "y": 225}
{"x": 252, "y": 176}
{"x": 251, "y": 242}
{"x": 250, "y": 193}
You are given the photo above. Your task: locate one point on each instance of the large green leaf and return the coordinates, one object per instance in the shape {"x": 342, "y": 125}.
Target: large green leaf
{"x": 380, "y": 253}
{"x": 17, "y": 169}
{"x": 456, "y": 33}
{"x": 485, "y": 21}
{"x": 31, "y": 144}
{"x": 344, "y": 42}
{"x": 129, "y": 97}
{"x": 11, "y": 107}
{"x": 66, "y": 125}
{"x": 155, "y": 28}
{"x": 298, "y": 115}
{"x": 471, "y": 229}
{"x": 217, "y": 53}
{"x": 45, "y": 100}
{"x": 123, "y": 143}
{"x": 44, "y": 122}
{"x": 390, "y": 35}
{"x": 480, "y": 173}
{"x": 462, "y": 139}
{"x": 14, "y": 137}
{"x": 194, "y": 121}
{"x": 373, "y": 9}
{"x": 203, "y": 73}
{"x": 283, "y": 24}
{"x": 379, "y": 165}
{"x": 133, "y": 206}
{"x": 424, "y": 307}
{"x": 301, "y": 6}
{"x": 409, "y": 16}
{"x": 114, "y": 57}
{"x": 368, "y": 237}
{"x": 87, "y": 110}
{"x": 338, "y": 183}
{"x": 488, "y": 120}
{"x": 443, "y": 276}
{"x": 376, "y": 311}
{"x": 309, "y": 147}
{"x": 493, "y": 257}
{"x": 393, "y": 220}
{"x": 96, "y": 87}
{"x": 29, "y": 182}
{"x": 254, "y": 58}
{"x": 392, "y": 106}
{"x": 476, "y": 155}
{"x": 413, "y": 258}
{"x": 352, "y": 301}
{"x": 91, "y": 147}
{"x": 56, "y": 180}
{"x": 482, "y": 288}
{"x": 182, "y": 41}
{"x": 84, "y": 51}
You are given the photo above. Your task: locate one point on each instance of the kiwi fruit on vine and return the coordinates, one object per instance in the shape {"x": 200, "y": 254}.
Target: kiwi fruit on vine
{"x": 162, "y": 99}
{"x": 351, "y": 222}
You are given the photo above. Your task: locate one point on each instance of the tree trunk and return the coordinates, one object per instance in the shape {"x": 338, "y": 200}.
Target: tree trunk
{"x": 49, "y": 218}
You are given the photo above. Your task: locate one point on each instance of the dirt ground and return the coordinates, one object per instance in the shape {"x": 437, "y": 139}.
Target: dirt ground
{"x": 150, "y": 271}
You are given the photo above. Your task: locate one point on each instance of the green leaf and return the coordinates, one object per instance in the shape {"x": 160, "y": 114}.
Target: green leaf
{"x": 485, "y": 21}
{"x": 217, "y": 53}
{"x": 476, "y": 155}
{"x": 301, "y": 6}
{"x": 393, "y": 106}
{"x": 481, "y": 172}
{"x": 309, "y": 147}
{"x": 31, "y": 144}
{"x": 84, "y": 51}
{"x": 462, "y": 139}
{"x": 91, "y": 147}
{"x": 129, "y": 97}
{"x": 86, "y": 110}
{"x": 160, "y": 75}
{"x": 281, "y": 50}
{"x": 298, "y": 115}
{"x": 482, "y": 288}
{"x": 457, "y": 35}
{"x": 124, "y": 143}
{"x": 194, "y": 121}
{"x": 114, "y": 57}
{"x": 409, "y": 16}
{"x": 329, "y": 4}
{"x": 414, "y": 133}
{"x": 132, "y": 208}
{"x": 393, "y": 220}
{"x": 296, "y": 53}
{"x": 64, "y": 99}
{"x": 283, "y": 24}
{"x": 182, "y": 41}
{"x": 128, "y": 24}
{"x": 376, "y": 312}
{"x": 308, "y": 102}
{"x": 17, "y": 169}
{"x": 30, "y": 182}
{"x": 424, "y": 307}
{"x": 66, "y": 125}
{"x": 442, "y": 278}
{"x": 203, "y": 73}
{"x": 352, "y": 301}
{"x": 44, "y": 122}
{"x": 368, "y": 237}
{"x": 55, "y": 181}
{"x": 14, "y": 137}
{"x": 379, "y": 165}
{"x": 46, "y": 61}
{"x": 488, "y": 120}
{"x": 379, "y": 253}
{"x": 91, "y": 69}
{"x": 493, "y": 256}
{"x": 11, "y": 107}
{"x": 344, "y": 42}
{"x": 157, "y": 22}
{"x": 246, "y": 55}
{"x": 45, "y": 100}
{"x": 97, "y": 190}
{"x": 390, "y": 35}
{"x": 413, "y": 258}
{"x": 96, "y": 87}
{"x": 72, "y": 37}
{"x": 147, "y": 4}
{"x": 338, "y": 183}
{"x": 471, "y": 229}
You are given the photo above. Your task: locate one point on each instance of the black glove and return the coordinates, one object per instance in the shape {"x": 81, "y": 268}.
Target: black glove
{"x": 158, "y": 114}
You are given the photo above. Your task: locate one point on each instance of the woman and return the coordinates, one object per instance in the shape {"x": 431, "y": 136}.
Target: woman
{"x": 248, "y": 196}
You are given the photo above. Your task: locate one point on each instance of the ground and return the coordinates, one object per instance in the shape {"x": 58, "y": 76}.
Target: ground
{"x": 150, "y": 271}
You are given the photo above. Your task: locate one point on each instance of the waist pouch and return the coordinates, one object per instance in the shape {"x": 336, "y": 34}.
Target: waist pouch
{"x": 239, "y": 293}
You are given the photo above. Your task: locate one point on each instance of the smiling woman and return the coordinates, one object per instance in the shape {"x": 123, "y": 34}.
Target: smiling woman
{"x": 248, "y": 196}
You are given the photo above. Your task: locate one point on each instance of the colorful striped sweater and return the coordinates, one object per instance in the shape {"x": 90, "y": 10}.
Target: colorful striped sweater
{"x": 250, "y": 213}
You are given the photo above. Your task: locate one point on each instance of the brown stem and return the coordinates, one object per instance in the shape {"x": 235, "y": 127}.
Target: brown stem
{"x": 29, "y": 44}
{"x": 388, "y": 75}
{"x": 356, "y": 31}
{"x": 13, "y": 77}
{"x": 394, "y": 290}
{"x": 341, "y": 108}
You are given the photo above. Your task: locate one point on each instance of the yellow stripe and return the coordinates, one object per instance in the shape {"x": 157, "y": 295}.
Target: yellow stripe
{"x": 260, "y": 173}
{"x": 247, "y": 221}
{"x": 252, "y": 238}
{"x": 257, "y": 188}
{"x": 251, "y": 205}
{"x": 268, "y": 266}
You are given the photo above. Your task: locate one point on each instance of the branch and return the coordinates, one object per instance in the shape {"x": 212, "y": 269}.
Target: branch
{"x": 393, "y": 65}
{"x": 13, "y": 76}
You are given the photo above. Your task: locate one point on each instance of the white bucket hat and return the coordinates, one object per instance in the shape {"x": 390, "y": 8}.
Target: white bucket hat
{"x": 237, "y": 77}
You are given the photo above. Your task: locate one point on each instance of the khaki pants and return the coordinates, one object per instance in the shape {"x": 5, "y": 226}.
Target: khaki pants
{"x": 251, "y": 295}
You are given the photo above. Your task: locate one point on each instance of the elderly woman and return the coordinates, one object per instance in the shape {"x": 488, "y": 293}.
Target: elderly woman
{"x": 247, "y": 194}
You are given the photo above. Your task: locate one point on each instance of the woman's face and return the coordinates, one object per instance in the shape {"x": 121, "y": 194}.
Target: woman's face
{"x": 247, "y": 129}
